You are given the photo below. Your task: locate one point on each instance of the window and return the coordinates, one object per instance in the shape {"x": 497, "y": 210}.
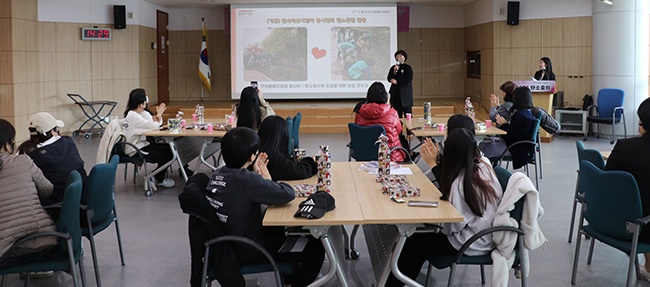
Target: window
{"x": 474, "y": 64}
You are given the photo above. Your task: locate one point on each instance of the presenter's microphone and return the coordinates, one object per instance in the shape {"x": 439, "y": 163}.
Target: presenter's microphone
{"x": 396, "y": 68}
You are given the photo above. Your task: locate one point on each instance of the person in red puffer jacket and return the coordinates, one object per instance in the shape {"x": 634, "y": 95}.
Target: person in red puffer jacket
{"x": 376, "y": 111}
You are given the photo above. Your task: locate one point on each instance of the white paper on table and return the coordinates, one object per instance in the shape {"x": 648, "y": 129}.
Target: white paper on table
{"x": 395, "y": 170}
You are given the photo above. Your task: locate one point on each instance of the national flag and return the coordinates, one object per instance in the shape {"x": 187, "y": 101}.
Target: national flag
{"x": 204, "y": 64}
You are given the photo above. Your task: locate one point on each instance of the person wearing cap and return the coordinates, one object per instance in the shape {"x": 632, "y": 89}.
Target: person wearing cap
{"x": 237, "y": 195}
{"x": 137, "y": 120}
{"x": 55, "y": 155}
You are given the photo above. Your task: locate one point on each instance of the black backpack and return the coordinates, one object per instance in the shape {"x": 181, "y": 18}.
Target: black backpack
{"x": 587, "y": 101}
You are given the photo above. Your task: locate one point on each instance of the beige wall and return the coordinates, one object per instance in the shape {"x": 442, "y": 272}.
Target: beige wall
{"x": 43, "y": 61}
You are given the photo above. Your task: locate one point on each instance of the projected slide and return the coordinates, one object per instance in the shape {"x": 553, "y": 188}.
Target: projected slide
{"x": 311, "y": 51}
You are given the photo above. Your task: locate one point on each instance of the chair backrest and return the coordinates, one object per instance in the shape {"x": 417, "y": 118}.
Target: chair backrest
{"x": 362, "y": 141}
{"x": 99, "y": 189}
{"x": 290, "y": 129}
{"x": 592, "y": 156}
{"x": 69, "y": 217}
{"x": 612, "y": 199}
{"x": 72, "y": 177}
{"x": 503, "y": 175}
{"x": 608, "y": 99}
{"x": 295, "y": 131}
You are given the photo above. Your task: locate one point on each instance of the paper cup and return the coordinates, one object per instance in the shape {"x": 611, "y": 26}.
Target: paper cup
{"x": 408, "y": 116}
{"x": 194, "y": 117}
{"x": 441, "y": 128}
{"x": 210, "y": 128}
{"x": 183, "y": 123}
{"x": 488, "y": 123}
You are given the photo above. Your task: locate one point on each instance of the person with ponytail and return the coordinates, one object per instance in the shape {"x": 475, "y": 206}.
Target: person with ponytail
{"x": 469, "y": 183}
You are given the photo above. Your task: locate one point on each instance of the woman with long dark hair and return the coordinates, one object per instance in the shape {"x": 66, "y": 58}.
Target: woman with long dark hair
{"x": 545, "y": 72}
{"x": 252, "y": 108}
{"x": 23, "y": 184}
{"x": 137, "y": 120}
{"x": 274, "y": 141}
{"x": 469, "y": 183}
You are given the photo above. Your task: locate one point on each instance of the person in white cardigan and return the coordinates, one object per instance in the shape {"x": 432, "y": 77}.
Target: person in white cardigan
{"x": 475, "y": 194}
{"x": 137, "y": 120}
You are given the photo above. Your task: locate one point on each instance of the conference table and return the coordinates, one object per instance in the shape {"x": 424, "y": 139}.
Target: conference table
{"x": 359, "y": 200}
{"x": 186, "y": 145}
{"x": 606, "y": 154}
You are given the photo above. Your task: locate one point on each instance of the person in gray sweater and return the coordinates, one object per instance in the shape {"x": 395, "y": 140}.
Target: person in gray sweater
{"x": 507, "y": 89}
{"x": 21, "y": 185}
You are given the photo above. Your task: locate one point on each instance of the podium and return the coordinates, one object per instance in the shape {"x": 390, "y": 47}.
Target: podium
{"x": 543, "y": 98}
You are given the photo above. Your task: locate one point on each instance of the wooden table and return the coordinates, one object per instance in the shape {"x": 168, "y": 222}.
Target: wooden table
{"x": 185, "y": 145}
{"x": 416, "y": 126}
{"x": 359, "y": 200}
{"x": 347, "y": 212}
{"x": 377, "y": 208}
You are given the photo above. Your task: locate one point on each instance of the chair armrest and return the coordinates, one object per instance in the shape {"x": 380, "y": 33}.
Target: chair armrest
{"x": 137, "y": 150}
{"x": 516, "y": 144}
{"x": 53, "y": 206}
{"x": 643, "y": 220}
{"x": 482, "y": 233}
{"x": 244, "y": 240}
{"x": 589, "y": 108}
{"x": 580, "y": 197}
{"x": 42, "y": 234}
{"x": 617, "y": 108}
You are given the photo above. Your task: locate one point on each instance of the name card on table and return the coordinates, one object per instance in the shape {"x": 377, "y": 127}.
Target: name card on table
{"x": 537, "y": 86}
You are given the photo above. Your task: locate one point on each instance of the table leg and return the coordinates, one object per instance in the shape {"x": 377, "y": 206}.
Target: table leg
{"x": 320, "y": 232}
{"x": 202, "y": 156}
{"x": 404, "y": 231}
{"x": 175, "y": 157}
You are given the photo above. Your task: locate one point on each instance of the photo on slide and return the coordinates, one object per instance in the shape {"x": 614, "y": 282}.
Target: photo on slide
{"x": 275, "y": 54}
{"x": 361, "y": 53}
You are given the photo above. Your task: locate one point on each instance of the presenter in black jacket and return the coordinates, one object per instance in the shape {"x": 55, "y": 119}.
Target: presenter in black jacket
{"x": 400, "y": 76}
{"x": 545, "y": 72}
{"x": 632, "y": 155}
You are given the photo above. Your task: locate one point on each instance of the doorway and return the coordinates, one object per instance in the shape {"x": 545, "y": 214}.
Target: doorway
{"x": 162, "y": 56}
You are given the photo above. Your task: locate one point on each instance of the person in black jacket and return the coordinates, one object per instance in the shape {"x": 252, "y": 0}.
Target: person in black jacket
{"x": 400, "y": 76}
{"x": 55, "y": 155}
{"x": 237, "y": 195}
{"x": 632, "y": 155}
{"x": 545, "y": 72}
{"x": 520, "y": 127}
{"x": 274, "y": 141}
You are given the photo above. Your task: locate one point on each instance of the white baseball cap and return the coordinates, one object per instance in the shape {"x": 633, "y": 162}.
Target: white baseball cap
{"x": 44, "y": 122}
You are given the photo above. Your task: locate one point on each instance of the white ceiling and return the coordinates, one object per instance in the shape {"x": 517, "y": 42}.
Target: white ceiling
{"x": 211, "y": 3}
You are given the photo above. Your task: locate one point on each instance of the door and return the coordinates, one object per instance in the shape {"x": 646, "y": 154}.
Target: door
{"x": 162, "y": 56}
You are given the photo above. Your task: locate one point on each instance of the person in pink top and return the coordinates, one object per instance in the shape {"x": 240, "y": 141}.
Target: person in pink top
{"x": 377, "y": 111}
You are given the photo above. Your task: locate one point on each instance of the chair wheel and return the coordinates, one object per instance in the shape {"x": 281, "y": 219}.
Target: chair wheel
{"x": 75, "y": 133}
{"x": 584, "y": 139}
{"x": 611, "y": 142}
{"x": 148, "y": 193}
{"x": 87, "y": 136}
{"x": 355, "y": 254}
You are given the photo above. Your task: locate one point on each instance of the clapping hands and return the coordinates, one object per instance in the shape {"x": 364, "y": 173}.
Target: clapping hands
{"x": 260, "y": 165}
{"x": 429, "y": 152}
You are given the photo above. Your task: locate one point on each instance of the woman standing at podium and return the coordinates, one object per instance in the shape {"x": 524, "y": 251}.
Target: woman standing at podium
{"x": 545, "y": 72}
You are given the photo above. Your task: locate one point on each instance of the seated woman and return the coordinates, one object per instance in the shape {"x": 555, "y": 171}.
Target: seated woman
{"x": 430, "y": 150}
{"x": 137, "y": 120}
{"x": 632, "y": 155}
{"x": 274, "y": 140}
{"x": 520, "y": 127}
{"x": 22, "y": 213}
{"x": 55, "y": 155}
{"x": 471, "y": 186}
{"x": 377, "y": 111}
{"x": 503, "y": 110}
{"x": 252, "y": 108}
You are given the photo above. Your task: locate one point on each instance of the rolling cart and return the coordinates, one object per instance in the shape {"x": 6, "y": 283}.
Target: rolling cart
{"x": 93, "y": 111}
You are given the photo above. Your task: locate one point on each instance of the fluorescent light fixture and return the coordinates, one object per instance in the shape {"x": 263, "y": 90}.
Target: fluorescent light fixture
{"x": 608, "y": 2}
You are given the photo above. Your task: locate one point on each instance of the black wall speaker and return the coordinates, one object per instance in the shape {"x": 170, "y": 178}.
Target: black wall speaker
{"x": 119, "y": 16}
{"x": 513, "y": 13}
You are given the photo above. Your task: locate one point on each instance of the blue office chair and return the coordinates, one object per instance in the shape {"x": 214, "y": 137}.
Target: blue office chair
{"x": 290, "y": 128}
{"x": 442, "y": 262}
{"x": 295, "y": 131}
{"x": 99, "y": 206}
{"x": 67, "y": 254}
{"x": 612, "y": 208}
{"x": 594, "y": 157}
{"x": 609, "y": 110}
{"x": 362, "y": 145}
